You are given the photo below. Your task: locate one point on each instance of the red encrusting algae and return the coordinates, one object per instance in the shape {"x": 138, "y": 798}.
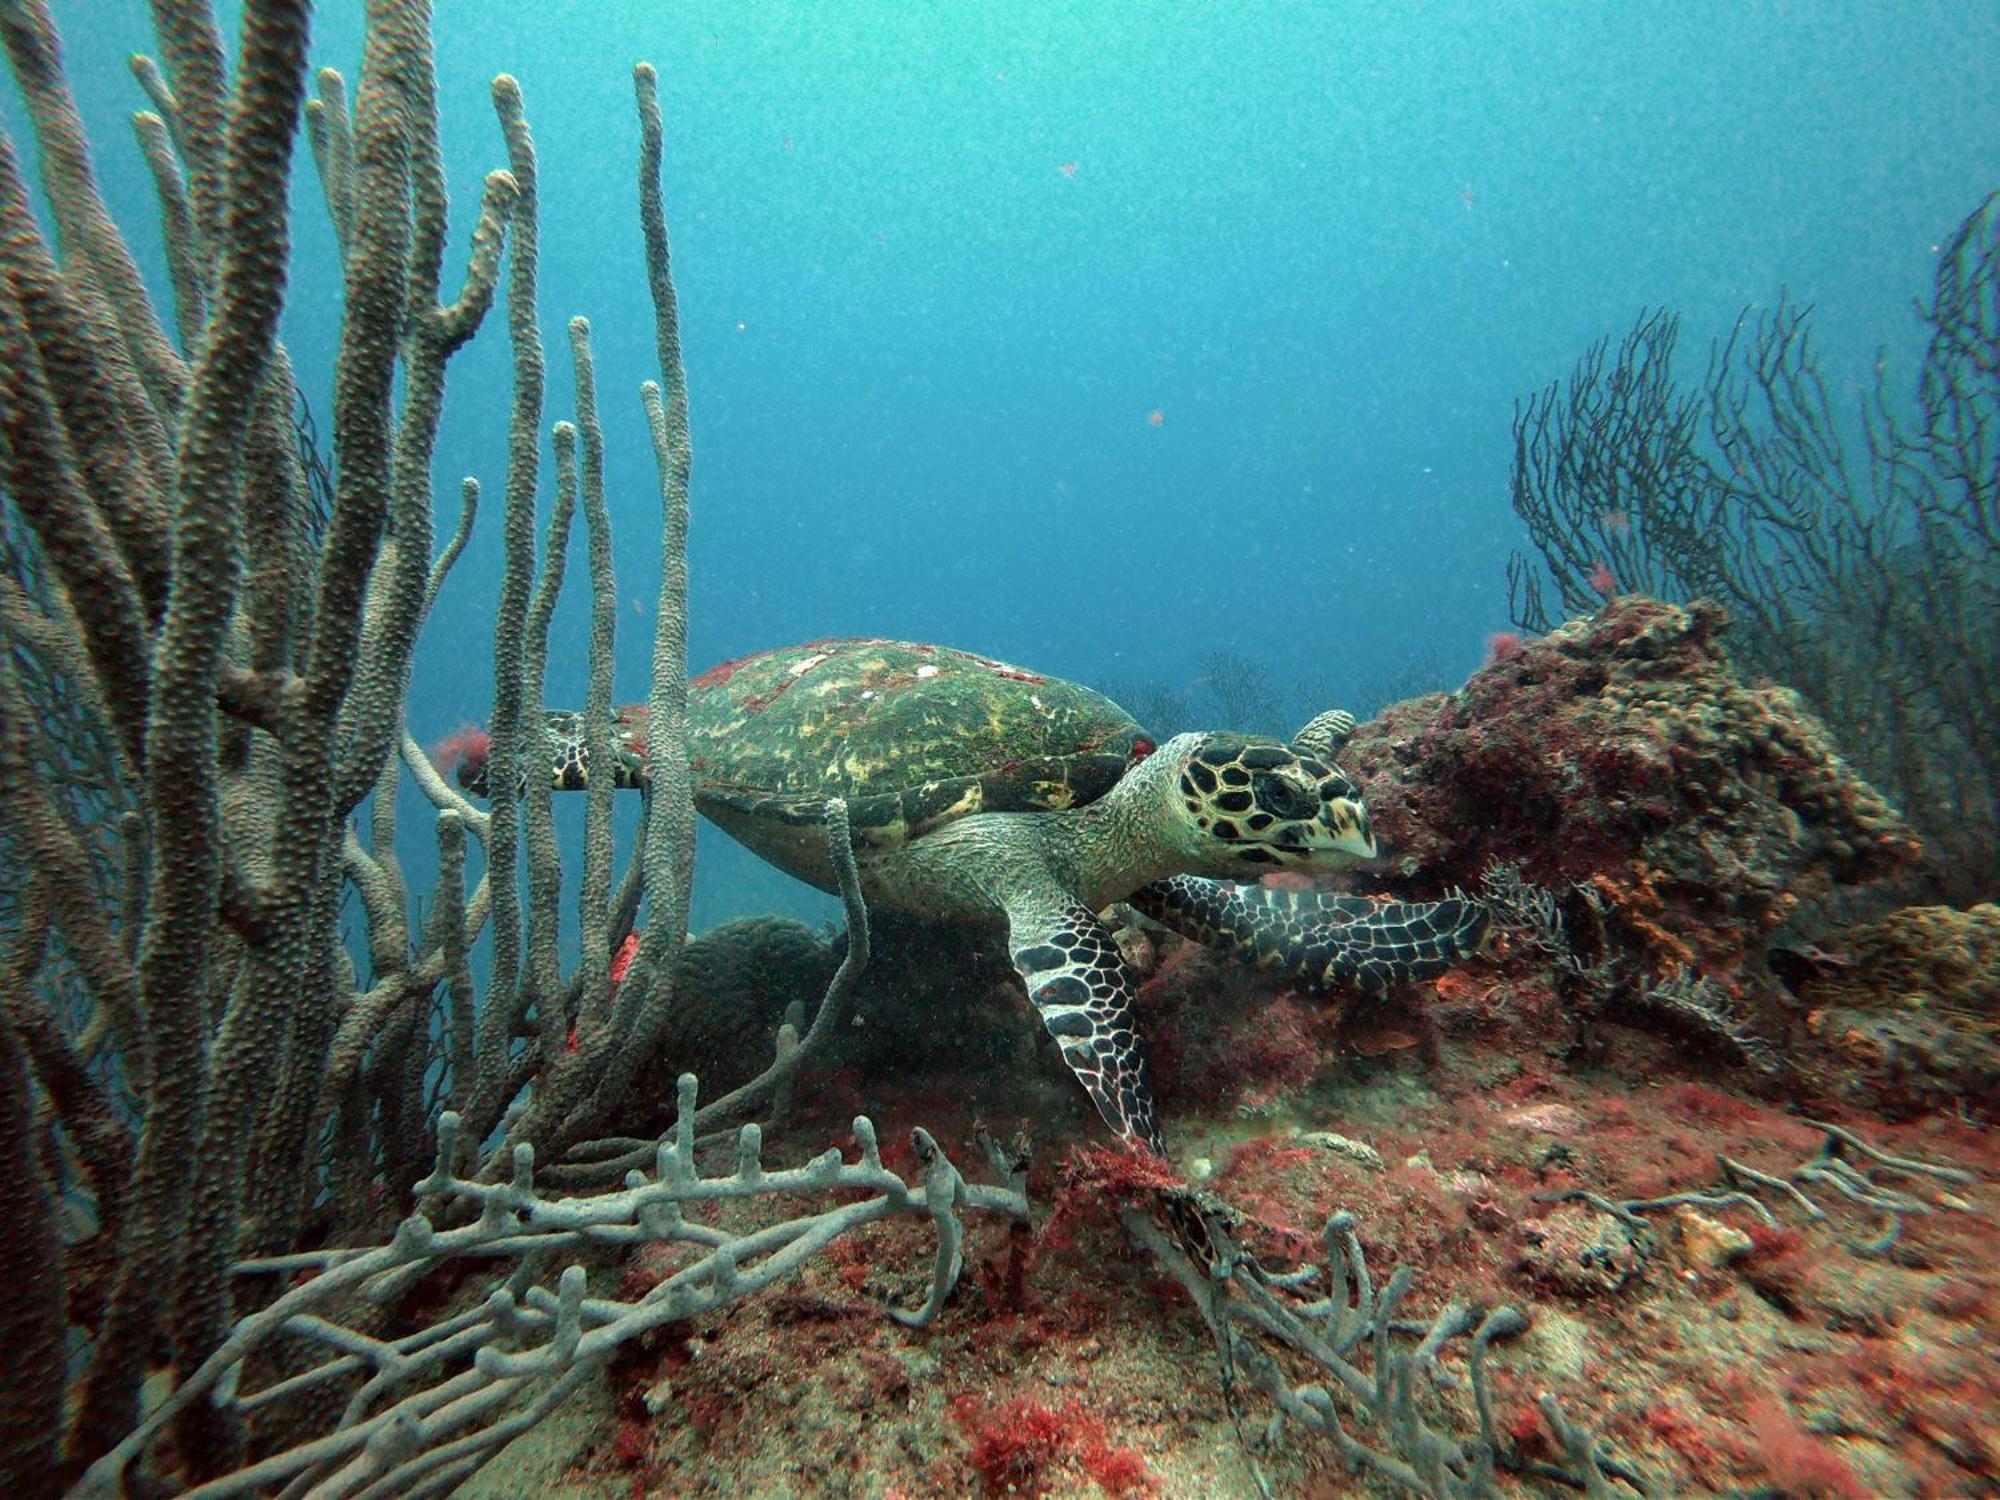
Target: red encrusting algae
{"x": 1798, "y": 1462}
{"x": 1022, "y": 1447}
{"x": 621, "y": 961}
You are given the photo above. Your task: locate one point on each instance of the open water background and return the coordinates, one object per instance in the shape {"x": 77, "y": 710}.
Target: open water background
{"x": 1097, "y": 337}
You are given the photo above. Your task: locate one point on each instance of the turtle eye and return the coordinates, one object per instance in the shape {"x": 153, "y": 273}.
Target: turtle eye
{"x": 1285, "y": 798}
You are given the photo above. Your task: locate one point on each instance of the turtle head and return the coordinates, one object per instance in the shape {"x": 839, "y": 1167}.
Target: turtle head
{"x": 1250, "y": 805}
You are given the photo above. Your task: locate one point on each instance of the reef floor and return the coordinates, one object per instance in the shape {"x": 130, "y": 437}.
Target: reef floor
{"x": 1717, "y": 1355}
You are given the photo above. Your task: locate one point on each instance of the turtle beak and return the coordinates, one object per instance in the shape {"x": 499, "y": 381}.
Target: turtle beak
{"x": 1347, "y": 821}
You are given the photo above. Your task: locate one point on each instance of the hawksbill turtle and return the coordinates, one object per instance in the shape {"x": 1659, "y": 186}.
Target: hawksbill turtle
{"x": 982, "y": 794}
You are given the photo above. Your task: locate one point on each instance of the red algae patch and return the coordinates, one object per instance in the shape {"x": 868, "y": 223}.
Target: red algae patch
{"x": 1022, "y": 1447}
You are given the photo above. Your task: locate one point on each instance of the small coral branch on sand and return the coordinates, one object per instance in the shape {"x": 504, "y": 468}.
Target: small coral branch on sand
{"x": 1830, "y": 1167}
{"x": 1350, "y": 1335}
{"x": 429, "y": 1408}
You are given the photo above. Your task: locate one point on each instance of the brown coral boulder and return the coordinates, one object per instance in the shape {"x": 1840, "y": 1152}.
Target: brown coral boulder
{"x": 1624, "y": 753}
{"x": 1934, "y": 959}
{"x": 1911, "y": 1006}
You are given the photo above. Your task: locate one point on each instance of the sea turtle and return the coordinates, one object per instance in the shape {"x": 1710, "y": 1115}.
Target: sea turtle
{"x": 980, "y": 793}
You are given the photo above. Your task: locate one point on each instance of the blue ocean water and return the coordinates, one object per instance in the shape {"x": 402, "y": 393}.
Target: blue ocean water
{"x": 1099, "y": 337}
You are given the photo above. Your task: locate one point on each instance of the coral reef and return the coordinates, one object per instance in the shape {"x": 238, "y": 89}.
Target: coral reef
{"x": 1673, "y": 818}
{"x": 1727, "y": 1348}
{"x": 214, "y": 1121}
{"x": 1623, "y": 751}
{"x": 443, "y": 1398}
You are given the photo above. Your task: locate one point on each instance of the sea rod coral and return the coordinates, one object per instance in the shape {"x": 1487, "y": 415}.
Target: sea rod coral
{"x": 197, "y": 1088}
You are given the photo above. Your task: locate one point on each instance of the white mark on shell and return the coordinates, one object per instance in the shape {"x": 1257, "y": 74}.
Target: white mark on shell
{"x": 927, "y": 670}
{"x": 800, "y": 668}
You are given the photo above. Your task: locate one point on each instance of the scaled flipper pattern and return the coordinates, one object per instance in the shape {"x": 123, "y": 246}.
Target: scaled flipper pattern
{"x": 1084, "y": 992}
{"x": 1323, "y": 941}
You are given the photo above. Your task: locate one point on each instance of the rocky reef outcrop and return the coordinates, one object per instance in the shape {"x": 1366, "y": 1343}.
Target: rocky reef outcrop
{"x": 1624, "y": 755}
{"x": 1697, "y": 832}
{"x": 1909, "y": 1006}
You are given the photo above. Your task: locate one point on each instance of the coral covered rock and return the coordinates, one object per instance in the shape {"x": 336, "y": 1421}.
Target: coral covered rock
{"x": 1624, "y": 753}
{"x": 1932, "y": 959}
{"x": 1910, "y": 1005}
{"x": 739, "y": 980}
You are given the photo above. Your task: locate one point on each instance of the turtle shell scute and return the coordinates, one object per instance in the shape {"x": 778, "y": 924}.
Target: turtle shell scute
{"x": 913, "y": 736}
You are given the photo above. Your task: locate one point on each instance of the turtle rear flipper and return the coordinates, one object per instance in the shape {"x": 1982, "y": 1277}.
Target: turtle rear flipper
{"x": 1323, "y": 941}
{"x": 1325, "y": 734}
{"x": 1083, "y": 990}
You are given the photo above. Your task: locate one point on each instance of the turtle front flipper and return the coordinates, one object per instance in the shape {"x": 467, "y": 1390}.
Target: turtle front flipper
{"x": 1322, "y": 941}
{"x": 1084, "y": 992}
